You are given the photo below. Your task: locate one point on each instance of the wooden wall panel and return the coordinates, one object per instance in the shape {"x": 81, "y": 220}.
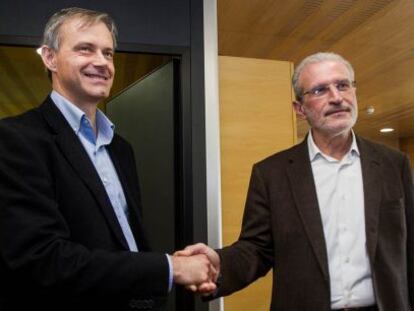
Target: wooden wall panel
{"x": 256, "y": 120}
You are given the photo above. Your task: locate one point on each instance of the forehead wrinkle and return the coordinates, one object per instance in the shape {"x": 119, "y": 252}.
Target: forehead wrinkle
{"x": 312, "y": 71}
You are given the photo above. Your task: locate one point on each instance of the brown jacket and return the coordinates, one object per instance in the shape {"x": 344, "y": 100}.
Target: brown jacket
{"x": 282, "y": 229}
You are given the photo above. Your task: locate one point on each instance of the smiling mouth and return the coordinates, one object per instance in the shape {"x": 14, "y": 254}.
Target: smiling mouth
{"x": 95, "y": 76}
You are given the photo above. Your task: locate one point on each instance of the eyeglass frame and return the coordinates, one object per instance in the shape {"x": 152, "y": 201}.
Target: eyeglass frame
{"x": 310, "y": 92}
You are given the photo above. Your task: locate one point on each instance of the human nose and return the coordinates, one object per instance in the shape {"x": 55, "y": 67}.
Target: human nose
{"x": 100, "y": 59}
{"x": 334, "y": 93}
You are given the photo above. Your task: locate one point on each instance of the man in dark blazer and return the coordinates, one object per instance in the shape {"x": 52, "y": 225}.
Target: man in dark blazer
{"x": 333, "y": 216}
{"x": 71, "y": 235}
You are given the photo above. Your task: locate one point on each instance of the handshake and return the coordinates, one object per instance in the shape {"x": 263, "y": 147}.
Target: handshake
{"x": 197, "y": 268}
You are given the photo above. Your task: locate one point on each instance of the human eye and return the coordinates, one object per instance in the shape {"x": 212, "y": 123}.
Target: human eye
{"x": 84, "y": 48}
{"x": 319, "y": 90}
{"x": 108, "y": 54}
{"x": 343, "y": 85}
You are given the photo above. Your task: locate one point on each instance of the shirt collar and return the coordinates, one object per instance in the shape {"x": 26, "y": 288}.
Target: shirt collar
{"x": 105, "y": 128}
{"x": 74, "y": 116}
{"x": 314, "y": 150}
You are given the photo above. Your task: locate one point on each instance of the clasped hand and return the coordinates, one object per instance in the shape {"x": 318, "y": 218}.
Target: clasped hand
{"x": 197, "y": 268}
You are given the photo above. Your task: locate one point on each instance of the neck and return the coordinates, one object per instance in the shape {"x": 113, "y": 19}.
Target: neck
{"x": 89, "y": 107}
{"x": 336, "y": 146}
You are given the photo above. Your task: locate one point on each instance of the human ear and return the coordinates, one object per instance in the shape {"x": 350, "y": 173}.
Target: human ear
{"x": 49, "y": 58}
{"x": 299, "y": 110}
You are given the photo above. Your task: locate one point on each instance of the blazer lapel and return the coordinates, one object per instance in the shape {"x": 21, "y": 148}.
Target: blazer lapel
{"x": 304, "y": 192}
{"x": 74, "y": 152}
{"x": 370, "y": 165}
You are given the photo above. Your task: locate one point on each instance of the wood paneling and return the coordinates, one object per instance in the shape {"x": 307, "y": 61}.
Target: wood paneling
{"x": 376, "y": 36}
{"x": 23, "y": 82}
{"x": 256, "y": 120}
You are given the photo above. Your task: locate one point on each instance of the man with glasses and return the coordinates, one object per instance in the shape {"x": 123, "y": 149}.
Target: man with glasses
{"x": 333, "y": 216}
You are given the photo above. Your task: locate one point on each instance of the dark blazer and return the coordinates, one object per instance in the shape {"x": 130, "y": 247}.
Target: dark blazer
{"x": 282, "y": 229}
{"x": 61, "y": 246}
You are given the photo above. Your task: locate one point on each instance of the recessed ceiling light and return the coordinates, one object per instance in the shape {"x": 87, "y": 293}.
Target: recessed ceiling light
{"x": 386, "y": 130}
{"x": 370, "y": 110}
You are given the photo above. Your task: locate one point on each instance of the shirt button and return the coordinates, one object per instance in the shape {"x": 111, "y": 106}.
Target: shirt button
{"x": 347, "y": 260}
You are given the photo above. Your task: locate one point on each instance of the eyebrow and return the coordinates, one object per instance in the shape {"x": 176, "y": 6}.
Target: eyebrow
{"x": 89, "y": 44}
{"x": 334, "y": 81}
{"x": 79, "y": 44}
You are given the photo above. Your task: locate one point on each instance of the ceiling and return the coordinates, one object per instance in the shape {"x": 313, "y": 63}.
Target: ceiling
{"x": 376, "y": 36}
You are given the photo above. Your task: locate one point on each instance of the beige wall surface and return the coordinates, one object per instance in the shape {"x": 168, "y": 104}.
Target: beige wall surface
{"x": 256, "y": 120}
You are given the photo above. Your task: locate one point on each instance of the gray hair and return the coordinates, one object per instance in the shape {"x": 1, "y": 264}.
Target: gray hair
{"x": 51, "y": 35}
{"x": 317, "y": 58}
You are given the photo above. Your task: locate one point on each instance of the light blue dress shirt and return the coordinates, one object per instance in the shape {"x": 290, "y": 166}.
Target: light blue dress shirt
{"x": 95, "y": 146}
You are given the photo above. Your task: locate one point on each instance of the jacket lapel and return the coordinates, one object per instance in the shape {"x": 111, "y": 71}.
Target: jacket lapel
{"x": 117, "y": 154}
{"x": 76, "y": 155}
{"x": 371, "y": 176}
{"x": 304, "y": 193}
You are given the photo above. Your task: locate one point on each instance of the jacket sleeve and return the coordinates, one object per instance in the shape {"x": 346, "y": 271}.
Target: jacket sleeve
{"x": 252, "y": 255}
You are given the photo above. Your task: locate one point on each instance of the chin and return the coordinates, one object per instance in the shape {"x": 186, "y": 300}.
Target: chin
{"x": 343, "y": 125}
{"x": 341, "y": 130}
{"x": 337, "y": 129}
{"x": 99, "y": 94}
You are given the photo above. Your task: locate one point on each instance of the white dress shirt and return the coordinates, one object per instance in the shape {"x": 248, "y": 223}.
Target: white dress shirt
{"x": 340, "y": 194}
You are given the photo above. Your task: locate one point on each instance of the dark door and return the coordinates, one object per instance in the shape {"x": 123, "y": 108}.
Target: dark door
{"x": 145, "y": 115}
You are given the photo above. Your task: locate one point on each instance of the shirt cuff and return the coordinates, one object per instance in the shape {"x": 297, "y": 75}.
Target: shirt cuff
{"x": 170, "y": 275}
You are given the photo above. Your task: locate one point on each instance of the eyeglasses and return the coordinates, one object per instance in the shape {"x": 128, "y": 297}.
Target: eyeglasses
{"x": 322, "y": 90}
